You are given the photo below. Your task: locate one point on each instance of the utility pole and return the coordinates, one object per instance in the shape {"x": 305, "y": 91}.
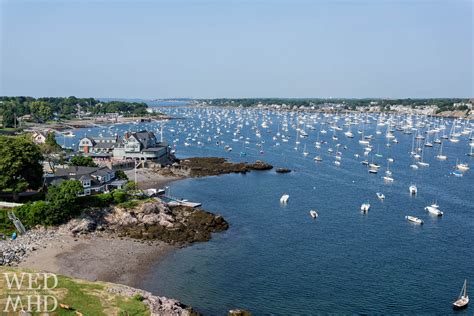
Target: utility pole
{"x": 136, "y": 172}
{"x": 137, "y": 163}
{"x": 161, "y": 140}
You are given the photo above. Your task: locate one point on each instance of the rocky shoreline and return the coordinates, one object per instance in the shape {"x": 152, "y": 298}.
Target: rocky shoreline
{"x": 119, "y": 243}
{"x": 209, "y": 166}
{"x": 150, "y": 220}
{"x": 158, "y": 305}
{"x": 12, "y": 252}
{"x": 115, "y": 244}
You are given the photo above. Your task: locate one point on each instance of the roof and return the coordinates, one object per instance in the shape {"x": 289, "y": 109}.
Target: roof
{"x": 77, "y": 171}
{"x": 152, "y": 149}
{"x": 74, "y": 170}
{"x": 105, "y": 145}
{"x": 143, "y": 137}
{"x": 91, "y": 139}
{"x": 114, "y": 138}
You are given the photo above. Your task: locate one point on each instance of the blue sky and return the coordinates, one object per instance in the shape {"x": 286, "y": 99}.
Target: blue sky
{"x": 225, "y": 48}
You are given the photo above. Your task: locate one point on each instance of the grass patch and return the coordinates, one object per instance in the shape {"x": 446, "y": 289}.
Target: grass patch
{"x": 81, "y": 296}
{"x": 129, "y": 204}
{"x": 88, "y": 298}
{"x": 130, "y": 306}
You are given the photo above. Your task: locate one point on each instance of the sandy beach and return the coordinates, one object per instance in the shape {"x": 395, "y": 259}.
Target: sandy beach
{"x": 147, "y": 178}
{"x": 94, "y": 258}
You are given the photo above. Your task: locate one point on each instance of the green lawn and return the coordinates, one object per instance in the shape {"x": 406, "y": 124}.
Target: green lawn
{"x": 88, "y": 298}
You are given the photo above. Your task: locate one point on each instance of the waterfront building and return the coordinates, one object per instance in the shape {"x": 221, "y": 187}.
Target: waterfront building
{"x": 93, "y": 179}
{"x": 96, "y": 146}
{"x": 141, "y": 145}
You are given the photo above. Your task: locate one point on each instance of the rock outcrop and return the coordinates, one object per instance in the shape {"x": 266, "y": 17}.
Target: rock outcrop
{"x": 151, "y": 219}
{"x": 283, "y": 170}
{"x": 213, "y": 166}
{"x": 158, "y": 305}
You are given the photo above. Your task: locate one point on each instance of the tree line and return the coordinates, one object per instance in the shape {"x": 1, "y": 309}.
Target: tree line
{"x": 47, "y": 108}
{"x": 443, "y": 104}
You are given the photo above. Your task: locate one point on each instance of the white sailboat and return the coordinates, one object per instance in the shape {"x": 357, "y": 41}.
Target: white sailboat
{"x": 305, "y": 152}
{"x": 440, "y": 156}
{"x": 463, "y": 298}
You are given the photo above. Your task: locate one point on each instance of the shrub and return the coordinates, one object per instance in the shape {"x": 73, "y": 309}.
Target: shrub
{"x": 130, "y": 186}
{"x": 138, "y": 297}
{"x": 39, "y": 212}
{"x": 119, "y": 196}
{"x": 99, "y": 200}
{"x": 104, "y": 199}
{"x": 60, "y": 206}
{"x": 128, "y": 204}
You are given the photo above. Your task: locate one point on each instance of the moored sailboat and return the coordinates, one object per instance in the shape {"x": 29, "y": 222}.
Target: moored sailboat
{"x": 463, "y": 298}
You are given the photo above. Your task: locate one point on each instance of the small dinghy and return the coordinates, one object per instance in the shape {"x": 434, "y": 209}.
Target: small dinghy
{"x": 380, "y": 196}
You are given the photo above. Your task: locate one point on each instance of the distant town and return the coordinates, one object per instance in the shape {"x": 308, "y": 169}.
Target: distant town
{"x": 450, "y": 107}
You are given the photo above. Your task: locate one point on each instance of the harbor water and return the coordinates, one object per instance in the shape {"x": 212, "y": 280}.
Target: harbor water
{"x": 276, "y": 259}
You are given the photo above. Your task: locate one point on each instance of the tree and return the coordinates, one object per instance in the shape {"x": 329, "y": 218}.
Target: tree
{"x": 51, "y": 140}
{"x": 8, "y": 118}
{"x": 82, "y": 161}
{"x": 119, "y": 174}
{"x": 42, "y": 110}
{"x": 20, "y": 167}
{"x": 60, "y": 205}
{"x": 51, "y": 150}
{"x": 64, "y": 194}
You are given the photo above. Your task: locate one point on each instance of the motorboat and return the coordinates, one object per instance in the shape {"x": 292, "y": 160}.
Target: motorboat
{"x": 434, "y": 210}
{"x": 414, "y": 219}
{"x": 388, "y": 179}
{"x": 413, "y": 189}
{"x": 313, "y": 214}
{"x": 462, "y": 166}
{"x": 381, "y": 196}
{"x": 284, "y": 198}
